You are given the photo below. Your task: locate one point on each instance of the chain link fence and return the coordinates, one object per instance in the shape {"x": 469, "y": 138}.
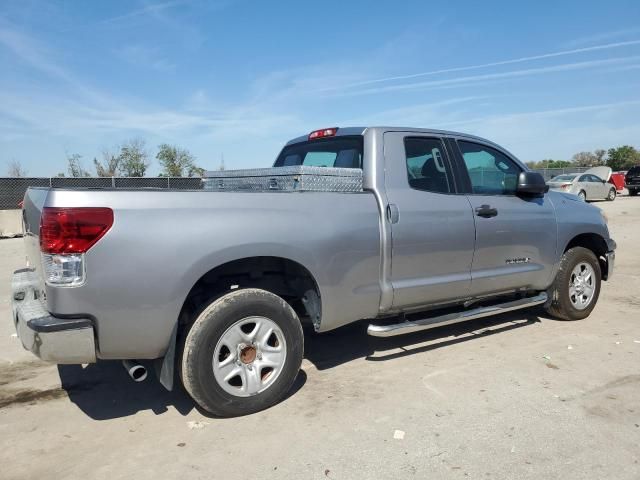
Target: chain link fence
{"x": 549, "y": 173}
{"x": 12, "y": 188}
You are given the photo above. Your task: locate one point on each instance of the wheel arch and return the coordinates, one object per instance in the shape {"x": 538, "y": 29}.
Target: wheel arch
{"x": 594, "y": 242}
{"x": 282, "y": 276}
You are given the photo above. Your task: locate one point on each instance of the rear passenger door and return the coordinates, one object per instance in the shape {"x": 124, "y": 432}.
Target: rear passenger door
{"x": 515, "y": 236}
{"x": 432, "y": 225}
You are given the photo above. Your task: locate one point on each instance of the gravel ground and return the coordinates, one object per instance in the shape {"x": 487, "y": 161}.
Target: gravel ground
{"x": 517, "y": 396}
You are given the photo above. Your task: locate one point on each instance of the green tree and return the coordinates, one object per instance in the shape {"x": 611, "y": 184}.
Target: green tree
{"x": 589, "y": 159}
{"x": 109, "y": 165}
{"x": 133, "y": 160}
{"x": 177, "y": 162}
{"x": 16, "y": 169}
{"x": 584, "y": 159}
{"x": 74, "y": 166}
{"x": 600, "y": 156}
{"x": 194, "y": 171}
{"x": 548, "y": 163}
{"x": 623, "y": 158}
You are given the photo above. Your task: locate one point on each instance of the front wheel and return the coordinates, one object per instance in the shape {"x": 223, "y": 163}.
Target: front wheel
{"x": 576, "y": 288}
{"x": 633, "y": 193}
{"x": 243, "y": 353}
{"x": 612, "y": 195}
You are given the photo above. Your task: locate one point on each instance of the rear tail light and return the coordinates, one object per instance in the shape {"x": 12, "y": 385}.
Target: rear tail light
{"x": 325, "y": 132}
{"x": 73, "y": 230}
{"x": 565, "y": 186}
{"x": 65, "y": 235}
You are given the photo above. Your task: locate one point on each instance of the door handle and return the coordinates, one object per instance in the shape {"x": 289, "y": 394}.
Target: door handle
{"x": 486, "y": 211}
{"x": 393, "y": 214}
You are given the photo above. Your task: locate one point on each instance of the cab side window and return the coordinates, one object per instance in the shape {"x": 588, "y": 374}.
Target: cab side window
{"x": 427, "y": 169}
{"x": 491, "y": 172}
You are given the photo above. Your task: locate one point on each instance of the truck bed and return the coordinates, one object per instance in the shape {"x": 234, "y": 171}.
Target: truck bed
{"x": 163, "y": 241}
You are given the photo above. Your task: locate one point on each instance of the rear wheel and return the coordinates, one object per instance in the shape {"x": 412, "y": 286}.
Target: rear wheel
{"x": 612, "y": 195}
{"x": 582, "y": 195}
{"x": 576, "y": 288}
{"x": 243, "y": 353}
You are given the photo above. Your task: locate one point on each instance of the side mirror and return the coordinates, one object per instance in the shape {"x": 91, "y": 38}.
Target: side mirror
{"x": 531, "y": 184}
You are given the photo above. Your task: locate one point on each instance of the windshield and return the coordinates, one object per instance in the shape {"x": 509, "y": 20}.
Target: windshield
{"x": 563, "y": 178}
{"x": 634, "y": 171}
{"x": 343, "y": 152}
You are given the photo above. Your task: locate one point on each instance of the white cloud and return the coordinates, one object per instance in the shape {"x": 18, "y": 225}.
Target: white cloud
{"x": 602, "y": 37}
{"x": 472, "y": 79}
{"x": 145, "y": 56}
{"x": 487, "y": 65}
{"x": 149, "y": 9}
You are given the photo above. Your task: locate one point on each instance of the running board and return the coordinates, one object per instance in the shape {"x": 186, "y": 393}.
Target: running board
{"x": 426, "y": 323}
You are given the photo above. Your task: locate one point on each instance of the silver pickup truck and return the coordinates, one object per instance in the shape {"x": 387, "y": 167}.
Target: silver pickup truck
{"x": 407, "y": 228}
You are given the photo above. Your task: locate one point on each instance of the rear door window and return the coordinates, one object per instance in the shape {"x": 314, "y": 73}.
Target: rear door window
{"x": 341, "y": 152}
{"x": 427, "y": 169}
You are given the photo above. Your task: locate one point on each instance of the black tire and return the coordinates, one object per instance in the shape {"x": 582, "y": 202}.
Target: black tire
{"x": 583, "y": 195}
{"x": 198, "y": 352}
{"x": 633, "y": 193}
{"x": 612, "y": 195}
{"x": 561, "y": 305}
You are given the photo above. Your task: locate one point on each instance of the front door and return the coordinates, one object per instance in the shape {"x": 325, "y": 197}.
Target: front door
{"x": 432, "y": 225}
{"x": 598, "y": 189}
{"x": 515, "y": 236}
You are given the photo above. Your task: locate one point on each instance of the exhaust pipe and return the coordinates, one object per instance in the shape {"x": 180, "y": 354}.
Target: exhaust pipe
{"x": 137, "y": 372}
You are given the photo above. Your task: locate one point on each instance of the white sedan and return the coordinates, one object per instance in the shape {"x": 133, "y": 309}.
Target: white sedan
{"x": 587, "y": 185}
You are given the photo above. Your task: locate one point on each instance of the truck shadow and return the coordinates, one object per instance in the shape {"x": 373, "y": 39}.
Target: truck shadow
{"x": 348, "y": 343}
{"x": 104, "y": 390}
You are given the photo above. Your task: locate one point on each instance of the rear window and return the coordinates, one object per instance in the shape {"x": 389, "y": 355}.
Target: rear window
{"x": 564, "y": 178}
{"x": 343, "y": 152}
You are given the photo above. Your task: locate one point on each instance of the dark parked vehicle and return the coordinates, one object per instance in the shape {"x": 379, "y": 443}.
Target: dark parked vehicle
{"x": 632, "y": 179}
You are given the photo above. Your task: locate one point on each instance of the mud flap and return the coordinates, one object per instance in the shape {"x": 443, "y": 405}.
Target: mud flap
{"x": 168, "y": 362}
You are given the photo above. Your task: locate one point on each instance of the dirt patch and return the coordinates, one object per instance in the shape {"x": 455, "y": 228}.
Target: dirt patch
{"x": 10, "y": 397}
{"x": 19, "y": 372}
{"x": 29, "y": 396}
{"x": 629, "y": 300}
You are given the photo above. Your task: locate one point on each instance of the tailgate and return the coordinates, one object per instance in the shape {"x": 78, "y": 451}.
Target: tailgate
{"x": 34, "y": 200}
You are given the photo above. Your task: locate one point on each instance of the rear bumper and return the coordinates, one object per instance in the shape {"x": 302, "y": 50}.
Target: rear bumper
{"x": 53, "y": 339}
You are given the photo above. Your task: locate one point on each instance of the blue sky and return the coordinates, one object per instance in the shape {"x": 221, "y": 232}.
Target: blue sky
{"x": 544, "y": 79}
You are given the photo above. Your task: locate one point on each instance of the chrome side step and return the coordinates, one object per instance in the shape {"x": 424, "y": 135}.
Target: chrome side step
{"x": 426, "y": 323}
